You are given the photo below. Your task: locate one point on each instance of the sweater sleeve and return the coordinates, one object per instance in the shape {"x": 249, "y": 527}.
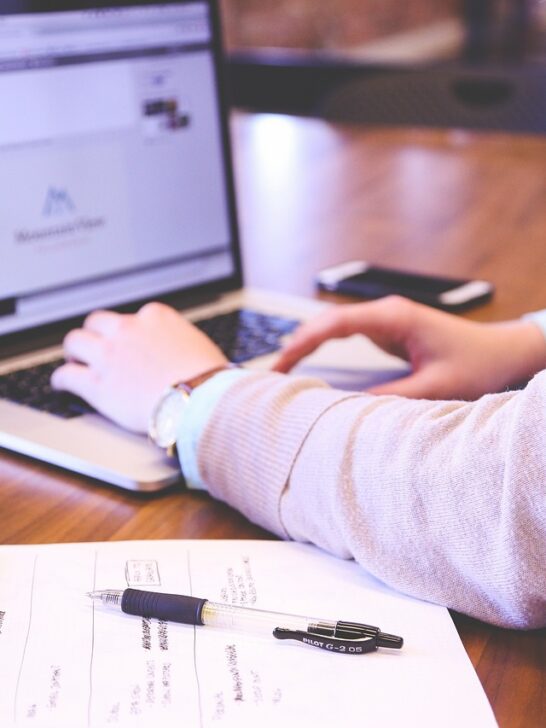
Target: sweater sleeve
{"x": 445, "y": 501}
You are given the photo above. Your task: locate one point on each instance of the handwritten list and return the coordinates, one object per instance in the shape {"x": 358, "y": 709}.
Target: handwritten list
{"x": 65, "y": 661}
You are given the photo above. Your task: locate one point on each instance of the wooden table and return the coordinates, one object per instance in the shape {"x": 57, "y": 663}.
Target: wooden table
{"x": 312, "y": 195}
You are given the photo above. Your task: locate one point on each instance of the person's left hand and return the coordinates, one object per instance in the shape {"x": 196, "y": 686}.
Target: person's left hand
{"x": 122, "y": 363}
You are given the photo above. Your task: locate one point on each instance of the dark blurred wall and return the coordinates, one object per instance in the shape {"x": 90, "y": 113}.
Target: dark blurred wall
{"x": 500, "y": 29}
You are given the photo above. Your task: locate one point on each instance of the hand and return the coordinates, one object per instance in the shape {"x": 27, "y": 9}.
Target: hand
{"x": 121, "y": 364}
{"x": 450, "y": 357}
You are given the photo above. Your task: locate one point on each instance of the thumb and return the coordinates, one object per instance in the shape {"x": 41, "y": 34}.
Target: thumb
{"x": 77, "y": 379}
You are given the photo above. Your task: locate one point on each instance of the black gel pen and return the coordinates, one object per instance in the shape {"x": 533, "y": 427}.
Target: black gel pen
{"x": 349, "y": 638}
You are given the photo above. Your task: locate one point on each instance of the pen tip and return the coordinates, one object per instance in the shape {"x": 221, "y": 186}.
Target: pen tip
{"x": 107, "y": 597}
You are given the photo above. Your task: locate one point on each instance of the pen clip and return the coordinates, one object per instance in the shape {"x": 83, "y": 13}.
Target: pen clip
{"x": 356, "y": 646}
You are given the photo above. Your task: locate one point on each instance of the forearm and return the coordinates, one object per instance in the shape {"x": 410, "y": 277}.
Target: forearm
{"x": 442, "y": 500}
{"x": 251, "y": 442}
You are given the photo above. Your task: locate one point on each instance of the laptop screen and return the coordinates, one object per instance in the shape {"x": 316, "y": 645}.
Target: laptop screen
{"x": 113, "y": 165}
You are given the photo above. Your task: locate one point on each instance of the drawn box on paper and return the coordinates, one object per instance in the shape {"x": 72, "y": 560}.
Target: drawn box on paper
{"x": 142, "y": 572}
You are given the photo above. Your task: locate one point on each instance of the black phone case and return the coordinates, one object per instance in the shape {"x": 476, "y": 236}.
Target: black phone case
{"x": 364, "y": 289}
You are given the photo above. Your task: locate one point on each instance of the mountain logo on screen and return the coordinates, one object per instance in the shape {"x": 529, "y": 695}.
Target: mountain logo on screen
{"x": 64, "y": 221}
{"x": 57, "y": 202}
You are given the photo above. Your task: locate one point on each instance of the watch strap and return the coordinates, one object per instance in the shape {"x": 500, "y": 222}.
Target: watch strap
{"x": 190, "y": 384}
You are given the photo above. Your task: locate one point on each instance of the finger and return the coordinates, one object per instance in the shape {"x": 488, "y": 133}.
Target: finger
{"x": 83, "y": 346}
{"x": 76, "y": 378}
{"x": 309, "y": 336}
{"x": 383, "y": 321}
{"x": 415, "y": 386}
{"x": 106, "y": 323}
{"x": 155, "y": 309}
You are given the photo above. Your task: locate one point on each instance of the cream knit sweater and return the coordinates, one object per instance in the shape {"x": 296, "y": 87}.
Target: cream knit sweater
{"x": 445, "y": 501}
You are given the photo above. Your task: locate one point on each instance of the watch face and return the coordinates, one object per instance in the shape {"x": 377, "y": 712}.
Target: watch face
{"x": 167, "y": 418}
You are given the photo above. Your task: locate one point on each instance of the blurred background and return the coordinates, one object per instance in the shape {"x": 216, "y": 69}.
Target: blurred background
{"x": 474, "y": 64}
{"x": 390, "y": 30}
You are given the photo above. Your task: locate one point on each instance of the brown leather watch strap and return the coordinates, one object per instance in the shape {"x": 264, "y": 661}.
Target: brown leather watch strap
{"x": 191, "y": 384}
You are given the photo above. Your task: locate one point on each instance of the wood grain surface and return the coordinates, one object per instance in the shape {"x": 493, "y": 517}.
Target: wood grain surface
{"x": 311, "y": 195}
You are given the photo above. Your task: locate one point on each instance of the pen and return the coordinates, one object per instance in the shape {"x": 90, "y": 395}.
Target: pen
{"x": 351, "y": 638}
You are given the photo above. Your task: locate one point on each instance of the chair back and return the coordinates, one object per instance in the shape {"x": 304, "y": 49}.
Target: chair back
{"x": 510, "y": 100}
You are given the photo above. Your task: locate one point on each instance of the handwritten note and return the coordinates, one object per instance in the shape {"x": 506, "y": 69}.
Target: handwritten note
{"x": 67, "y": 662}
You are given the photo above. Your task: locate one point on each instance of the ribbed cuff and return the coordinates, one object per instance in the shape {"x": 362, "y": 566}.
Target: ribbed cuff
{"x": 248, "y": 448}
{"x": 201, "y": 405}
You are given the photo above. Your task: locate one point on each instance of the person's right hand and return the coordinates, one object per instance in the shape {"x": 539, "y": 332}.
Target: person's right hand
{"x": 122, "y": 363}
{"x": 451, "y": 358}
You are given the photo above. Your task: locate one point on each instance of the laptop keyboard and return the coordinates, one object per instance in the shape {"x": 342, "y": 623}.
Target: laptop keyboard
{"x": 31, "y": 387}
{"x": 242, "y": 335}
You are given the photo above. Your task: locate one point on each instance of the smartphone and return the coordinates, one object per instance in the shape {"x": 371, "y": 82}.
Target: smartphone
{"x": 364, "y": 280}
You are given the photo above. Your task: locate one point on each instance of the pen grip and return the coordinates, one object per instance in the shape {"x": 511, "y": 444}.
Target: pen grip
{"x": 168, "y": 607}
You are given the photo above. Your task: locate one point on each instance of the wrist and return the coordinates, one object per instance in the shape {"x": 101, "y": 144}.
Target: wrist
{"x": 523, "y": 349}
{"x": 538, "y": 319}
{"x": 199, "y": 379}
{"x": 169, "y": 414}
{"x": 536, "y": 339}
{"x": 202, "y": 406}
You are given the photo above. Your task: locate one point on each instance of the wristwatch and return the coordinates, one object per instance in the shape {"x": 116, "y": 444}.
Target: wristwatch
{"x": 167, "y": 418}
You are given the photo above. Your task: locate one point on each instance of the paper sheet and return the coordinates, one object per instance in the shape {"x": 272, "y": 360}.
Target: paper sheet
{"x": 67, "y": 662}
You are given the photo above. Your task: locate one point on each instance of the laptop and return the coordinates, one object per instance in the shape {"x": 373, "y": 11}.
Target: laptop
{"x": 117, "y": 189}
